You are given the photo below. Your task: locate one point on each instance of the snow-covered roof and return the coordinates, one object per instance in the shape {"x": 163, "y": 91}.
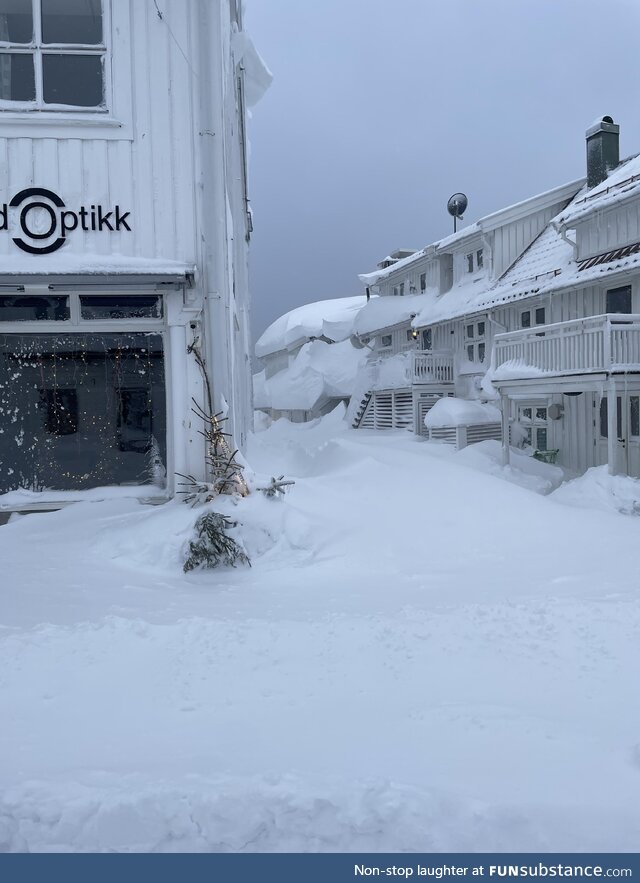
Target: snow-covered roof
{"x": 547, "y": 263}
{"x": 450, "y": 411}
{"x": 319, "y": 371}
{"x": 622, "y": 182}
{"x": 385, "y": 312}
{"x": 329, "y": 318}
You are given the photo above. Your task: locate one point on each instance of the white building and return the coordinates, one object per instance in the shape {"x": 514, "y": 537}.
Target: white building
{"x": 537, "y": 305}
{"x": 124, "y": 226}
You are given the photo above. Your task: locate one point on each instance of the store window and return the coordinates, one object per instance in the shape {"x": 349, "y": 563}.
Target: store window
{"x": 85, "y": 410}
{"x": 52, "y": 54}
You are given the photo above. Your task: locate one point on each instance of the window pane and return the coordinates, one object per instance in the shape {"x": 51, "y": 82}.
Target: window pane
{"x": 479, "y": 258}
{"x": 480, "y": 329}
{"x": 385, "y": 340}
{"x": 120, "y": 307}
{"x": 16, "y": 21}
{"x": 470, "y": 332}
{"x": 541, "y": 413}
{"x": 604, "y": 421}
{"x": 526, "y": 413}
{"x": 426, "y": 339}
{"x": 481, "y": 352}
{"x": 469, "y": 263}
{"x": 22, "y": 308}
{"x": 72, "y": 21}
{"x": 525, "y": 320}
{"x": 619, "y": 300}
{"x": 540, "y": 316}
{"x": 88, "y": 410}
{"x": 73, "y": 79}
{"x": 423, "y": 281}
{"x": 541, "y": 442}
{"x": 470, "y": 353}
{"x": 17, "y": 79}
{"x": 635, "y": 415}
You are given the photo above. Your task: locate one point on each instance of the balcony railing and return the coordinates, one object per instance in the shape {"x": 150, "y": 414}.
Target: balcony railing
{"x": 608, "y": 343}
{"x": 430, "y": 367}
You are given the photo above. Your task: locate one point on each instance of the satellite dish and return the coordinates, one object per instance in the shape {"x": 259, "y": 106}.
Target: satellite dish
{"x": 457, "y": 206}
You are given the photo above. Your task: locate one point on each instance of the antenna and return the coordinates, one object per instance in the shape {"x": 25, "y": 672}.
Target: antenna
{"x": 457, "y": 206}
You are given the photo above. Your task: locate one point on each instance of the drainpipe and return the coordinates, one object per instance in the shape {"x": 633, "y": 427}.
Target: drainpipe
{"x": 565, "y": 238}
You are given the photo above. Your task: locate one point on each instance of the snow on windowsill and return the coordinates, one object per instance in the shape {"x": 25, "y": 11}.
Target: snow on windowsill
{"x": 22, "y": 499}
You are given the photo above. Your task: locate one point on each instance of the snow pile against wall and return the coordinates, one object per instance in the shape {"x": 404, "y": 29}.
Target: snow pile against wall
{"x": 320, "y": 370}
{"x": 331, "y": 318}
{"x": 596, "y": 489}
{"x": 460, "y": 412}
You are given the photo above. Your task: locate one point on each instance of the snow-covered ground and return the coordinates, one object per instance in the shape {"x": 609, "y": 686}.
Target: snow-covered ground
{"x": 430, "y": 652}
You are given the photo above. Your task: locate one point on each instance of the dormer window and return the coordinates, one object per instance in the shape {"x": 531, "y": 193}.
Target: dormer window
{"x": 52, "y": 55}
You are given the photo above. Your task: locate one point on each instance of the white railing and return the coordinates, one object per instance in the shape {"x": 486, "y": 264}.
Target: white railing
{"x": 582, "y": 346}
{"x": 430, "y": 367}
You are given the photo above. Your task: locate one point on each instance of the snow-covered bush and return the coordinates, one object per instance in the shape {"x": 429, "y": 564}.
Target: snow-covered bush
{"x": 212, "y": 546}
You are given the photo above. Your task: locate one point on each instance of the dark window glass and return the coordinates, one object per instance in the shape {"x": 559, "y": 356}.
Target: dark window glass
{"x": 120, "y": 307}
{"x": 479, "y": 258}
{"x": 87, "y": 410}
{"x": 423, "y": 282}
{"x": 481, "y": 352}
{"x": 470, "y": 352}
{"x": 24, "y": 308}
{"x": 634, "y": 408}
{"x": 73, "y": 79}
{"x": 541, "y": 413}
{"x": 16, "y": 21}
{"x": 540, "y": 316}
{"x": 385, "y": 340}
{"x": 72, "y": 21}
{"x": 619, "y": 300}
{"x": 604, "y": 419}
{"x": 469, "y": 263}
{"x": 480, "y": 329}
{"x": 426, "y": 339}
{"x": 541, "y": 439}
{"x": 61, "y": 410}
{"x": 526, "y": 413}
{"x": 401, "y": 289}
{"x": 525, "y": 320}
{"x": 17, "y": 78}
{"x": 410, "y": 334}
{"x": 470, "y": 332}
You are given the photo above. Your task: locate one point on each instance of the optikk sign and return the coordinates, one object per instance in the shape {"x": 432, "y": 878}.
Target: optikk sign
{"x": 44, "y": 225}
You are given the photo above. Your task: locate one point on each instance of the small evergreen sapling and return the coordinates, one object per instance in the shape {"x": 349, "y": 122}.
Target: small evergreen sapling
{"x": 213, "y": 547}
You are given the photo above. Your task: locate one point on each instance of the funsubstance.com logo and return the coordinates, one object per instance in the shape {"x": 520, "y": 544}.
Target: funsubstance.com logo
{"x": 43, "y": 221}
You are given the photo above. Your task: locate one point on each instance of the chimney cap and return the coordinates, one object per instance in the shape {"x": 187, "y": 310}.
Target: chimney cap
{"x": 603, "y": 124}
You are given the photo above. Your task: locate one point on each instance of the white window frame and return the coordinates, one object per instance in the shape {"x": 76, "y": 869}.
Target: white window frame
{"x": 476, "y": 340}
{"x": 113, "y": 121}
{"x": 535, "y": 422}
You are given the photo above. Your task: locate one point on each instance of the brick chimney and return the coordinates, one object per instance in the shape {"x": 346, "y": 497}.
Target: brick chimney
{"x": 603, "y": 150}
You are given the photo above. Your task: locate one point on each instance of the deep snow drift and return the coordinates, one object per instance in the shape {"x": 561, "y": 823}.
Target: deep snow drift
{"x": 425, "y": 655}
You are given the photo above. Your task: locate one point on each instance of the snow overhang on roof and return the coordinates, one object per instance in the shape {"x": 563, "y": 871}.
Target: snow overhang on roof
{"x": 92, "y": 270}
{"x": 623, "y": 183}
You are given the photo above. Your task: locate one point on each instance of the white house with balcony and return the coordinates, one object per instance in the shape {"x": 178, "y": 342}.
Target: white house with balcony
{"x": 535, "y": 307}
{"x": 124, "y": 227}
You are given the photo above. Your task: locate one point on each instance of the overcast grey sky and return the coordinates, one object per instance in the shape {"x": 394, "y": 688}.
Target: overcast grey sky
{"x": 381, "y": 109}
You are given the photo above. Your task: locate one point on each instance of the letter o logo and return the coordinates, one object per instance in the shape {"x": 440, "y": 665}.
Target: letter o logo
{"x": 36, "y": 235}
